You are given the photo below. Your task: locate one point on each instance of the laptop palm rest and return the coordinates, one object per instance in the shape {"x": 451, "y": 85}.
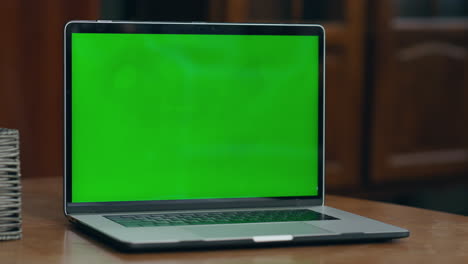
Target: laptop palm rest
{"x": 283, "y": 230}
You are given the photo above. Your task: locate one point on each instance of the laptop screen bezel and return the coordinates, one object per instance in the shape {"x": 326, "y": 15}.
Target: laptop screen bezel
{"x": 187, "y": 28}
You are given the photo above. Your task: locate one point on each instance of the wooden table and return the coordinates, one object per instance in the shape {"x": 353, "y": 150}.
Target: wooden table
{"x": 48, "y": 238}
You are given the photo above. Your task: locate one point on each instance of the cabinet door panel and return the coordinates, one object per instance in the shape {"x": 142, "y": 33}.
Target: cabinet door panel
{"x": 421, "y": 110}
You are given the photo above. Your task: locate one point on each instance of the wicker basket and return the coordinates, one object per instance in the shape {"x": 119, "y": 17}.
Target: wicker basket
{"x": 10, "y": 185}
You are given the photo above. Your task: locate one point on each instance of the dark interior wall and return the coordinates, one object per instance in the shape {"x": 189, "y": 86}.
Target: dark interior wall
{"x": 31, "y": 77}
{"x": 150, "y": 10}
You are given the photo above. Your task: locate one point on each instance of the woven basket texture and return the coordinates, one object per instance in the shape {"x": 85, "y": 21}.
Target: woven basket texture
{"x": 10, "y": 185}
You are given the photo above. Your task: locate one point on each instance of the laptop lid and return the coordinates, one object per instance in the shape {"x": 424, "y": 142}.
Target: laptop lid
{"x": 170, "y": 116}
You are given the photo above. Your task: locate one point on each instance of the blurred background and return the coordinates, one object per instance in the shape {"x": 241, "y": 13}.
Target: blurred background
{"x": 397, "y": 85}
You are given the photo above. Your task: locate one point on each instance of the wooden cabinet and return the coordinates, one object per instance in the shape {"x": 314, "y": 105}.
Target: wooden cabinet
{"x": 402, "y": 119}
{"x": 420, "y": 98}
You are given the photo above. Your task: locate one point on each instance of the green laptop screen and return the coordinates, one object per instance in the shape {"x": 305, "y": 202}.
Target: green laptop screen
{"x": 186, "y": 116}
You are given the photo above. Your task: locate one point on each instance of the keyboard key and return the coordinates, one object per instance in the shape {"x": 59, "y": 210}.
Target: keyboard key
{"x": 203, "y": 218}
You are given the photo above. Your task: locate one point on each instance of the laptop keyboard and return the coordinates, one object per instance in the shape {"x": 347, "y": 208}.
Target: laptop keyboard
{"x": 210, "y": 218}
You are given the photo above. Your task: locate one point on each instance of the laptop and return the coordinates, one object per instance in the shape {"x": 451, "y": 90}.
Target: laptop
{"x": 189, "y": 135}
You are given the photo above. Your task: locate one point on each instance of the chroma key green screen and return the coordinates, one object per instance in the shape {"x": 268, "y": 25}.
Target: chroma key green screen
{"x": 180, "y": 116}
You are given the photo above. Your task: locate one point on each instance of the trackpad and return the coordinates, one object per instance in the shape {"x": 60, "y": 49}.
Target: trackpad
{"x": 250, "y": 230}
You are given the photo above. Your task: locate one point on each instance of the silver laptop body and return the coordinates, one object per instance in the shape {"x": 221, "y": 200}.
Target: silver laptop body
{"x": 99, "y": 218}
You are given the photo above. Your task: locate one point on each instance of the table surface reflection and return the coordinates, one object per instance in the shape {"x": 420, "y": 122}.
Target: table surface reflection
{"x": 48, "y": 238}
